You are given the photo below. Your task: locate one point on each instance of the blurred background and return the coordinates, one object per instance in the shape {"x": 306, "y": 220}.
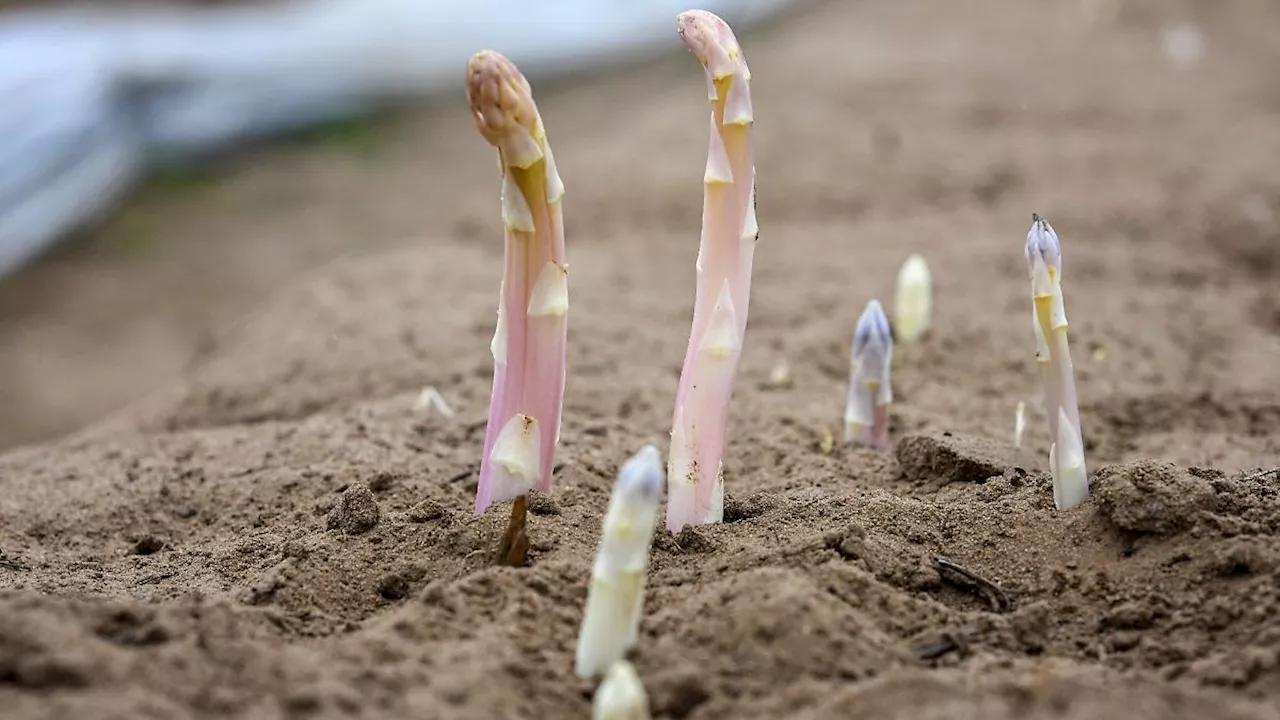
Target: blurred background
{"x": 163, "y": 171}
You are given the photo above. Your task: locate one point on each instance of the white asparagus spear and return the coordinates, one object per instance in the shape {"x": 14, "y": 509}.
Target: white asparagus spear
{"x": 611, "y": 620}
{"x": 866, "y": 412}
{"x": 1066, "y": 453}
{"x": 912, "y": 301}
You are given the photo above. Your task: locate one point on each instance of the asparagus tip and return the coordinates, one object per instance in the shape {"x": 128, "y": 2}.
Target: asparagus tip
{"x": 711, "y": 40}
{"x": 873, "y": 327}
{"x": 1042, "y": 243}
{"x": 641, "y": 476}
{"x": 503, "y": 108}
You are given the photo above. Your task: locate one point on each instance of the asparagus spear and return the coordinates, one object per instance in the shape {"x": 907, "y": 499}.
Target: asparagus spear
{"x": 1053, "y": 356}
{"x": 912, "y": 301}
{"x": 612, "y": 617}
{"x": 529, "y": 343}
{"x": 729, "y": 233}
{"x": 1019, "y": 424}
{"x": 866, "y": 413}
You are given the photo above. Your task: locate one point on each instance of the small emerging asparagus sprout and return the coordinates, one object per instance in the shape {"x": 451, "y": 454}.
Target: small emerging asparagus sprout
{"x": 611, "y": 620}
{"x": 729, "y": 233}
{"x": 912, "y": 301}
{"x": 529, "y": 343}
{"x": 1019, "y": 424}
{"x": 1053, "y": 356}
{"x": 780, "y": 375}
{"x": 866, "y": 412}
{"x": 621, "y": 696}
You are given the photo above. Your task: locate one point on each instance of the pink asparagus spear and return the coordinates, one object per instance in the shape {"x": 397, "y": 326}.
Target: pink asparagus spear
{"x": 529, "y": 342}
{"x": 695, "y": 469}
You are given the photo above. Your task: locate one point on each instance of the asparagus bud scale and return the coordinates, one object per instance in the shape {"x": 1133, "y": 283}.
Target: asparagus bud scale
{"x": 621, "y": 696}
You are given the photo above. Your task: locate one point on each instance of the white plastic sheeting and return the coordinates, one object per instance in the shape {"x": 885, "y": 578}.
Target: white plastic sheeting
{"x": 88, "y": 99}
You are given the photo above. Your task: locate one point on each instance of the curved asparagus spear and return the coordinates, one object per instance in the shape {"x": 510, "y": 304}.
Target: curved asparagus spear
{"x": 1053, "y": 355}
{"x": 729, "y": 233}
{"x": 529, "y": 342}
{"x": 866, "y": 414}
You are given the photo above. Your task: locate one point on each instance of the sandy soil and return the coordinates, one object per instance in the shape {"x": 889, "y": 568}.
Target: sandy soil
{"x": 275, "y": 531}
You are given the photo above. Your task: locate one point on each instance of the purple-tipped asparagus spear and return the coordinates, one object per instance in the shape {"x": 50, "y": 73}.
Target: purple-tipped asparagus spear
{"x": 1053, "y": 356}
{"x": 529, "y": 342}
{"x": 866, "y": 412}
{"x": 695, "y": 469}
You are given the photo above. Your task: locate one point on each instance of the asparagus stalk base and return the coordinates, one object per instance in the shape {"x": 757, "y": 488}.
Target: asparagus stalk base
{"x": 621, "y": 696}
